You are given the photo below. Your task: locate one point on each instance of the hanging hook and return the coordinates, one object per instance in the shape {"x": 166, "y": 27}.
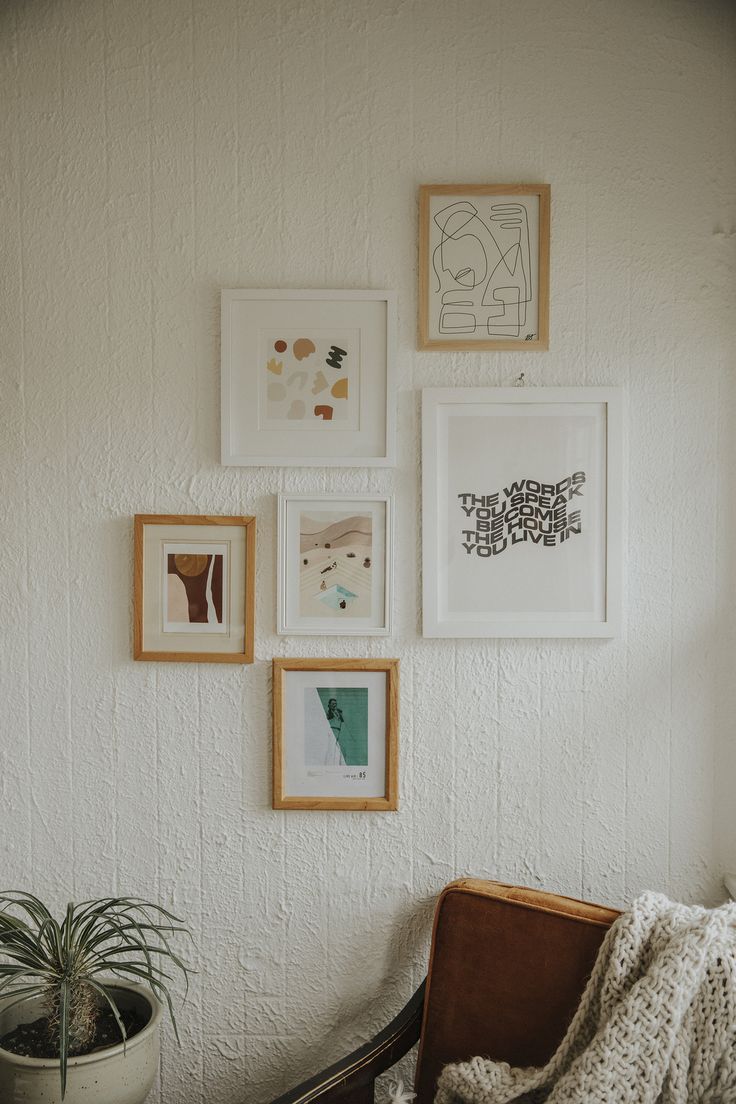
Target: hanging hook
{"x": 520, "y": 381}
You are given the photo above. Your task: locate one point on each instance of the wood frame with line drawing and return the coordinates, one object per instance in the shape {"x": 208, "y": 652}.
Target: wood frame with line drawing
{"x": 193, "y": 588}
{"x": 336, "y": 734}
{"x": 484, "y": 266}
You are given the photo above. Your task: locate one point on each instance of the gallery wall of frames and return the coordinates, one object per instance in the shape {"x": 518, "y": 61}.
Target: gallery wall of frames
{"x": 521, "y": 492}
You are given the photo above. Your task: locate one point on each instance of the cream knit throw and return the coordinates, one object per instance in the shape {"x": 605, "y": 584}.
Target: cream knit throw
{"x": 655, "y": 1025}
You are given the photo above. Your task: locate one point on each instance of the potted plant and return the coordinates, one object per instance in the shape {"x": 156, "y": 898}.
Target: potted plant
{"x": 81, "y": 1000}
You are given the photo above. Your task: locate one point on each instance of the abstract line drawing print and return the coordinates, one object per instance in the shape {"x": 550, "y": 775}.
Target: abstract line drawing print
{"x": 194, "y": 587}
{"x": 483, "y": 269}
{"x": 336, "y": 726}
{"x": 309, "y": 379}
{"x": 335, "y": 564}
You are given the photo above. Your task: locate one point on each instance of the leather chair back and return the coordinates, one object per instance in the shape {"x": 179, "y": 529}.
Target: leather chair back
{"x": 506, "y": 972}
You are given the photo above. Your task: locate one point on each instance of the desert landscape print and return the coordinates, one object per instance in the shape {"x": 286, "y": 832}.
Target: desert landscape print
{"x": 335, "y": 564}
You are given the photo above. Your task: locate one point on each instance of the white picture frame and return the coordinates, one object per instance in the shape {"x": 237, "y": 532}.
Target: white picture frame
{"x": 548, "y": 564}
{"x": 335, "y": 565}
{"x": 308, "y": 378}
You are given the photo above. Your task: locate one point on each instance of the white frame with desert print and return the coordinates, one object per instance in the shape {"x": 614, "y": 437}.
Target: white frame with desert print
{"x": 522, "y": 511}
{"x": 484, "y": 267}
{"x": 344, "y": 588}
{"x": 307, "y": 378}
{"x": 171, "y": 547}
{"x": 336, "y": 734}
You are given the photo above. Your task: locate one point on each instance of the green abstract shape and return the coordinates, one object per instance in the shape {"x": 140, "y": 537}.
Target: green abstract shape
{"x": 348, "y": 720}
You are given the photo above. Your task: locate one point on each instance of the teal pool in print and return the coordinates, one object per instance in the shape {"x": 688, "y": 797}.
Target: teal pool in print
{"x": 346, "y": 712}
{"x": 337, "y": 597}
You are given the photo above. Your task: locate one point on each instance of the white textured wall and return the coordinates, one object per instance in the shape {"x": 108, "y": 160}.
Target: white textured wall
{"x": 154, "y": 151}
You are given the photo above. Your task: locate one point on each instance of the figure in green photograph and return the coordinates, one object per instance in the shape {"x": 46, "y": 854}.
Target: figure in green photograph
{"x": 346, "y": 713}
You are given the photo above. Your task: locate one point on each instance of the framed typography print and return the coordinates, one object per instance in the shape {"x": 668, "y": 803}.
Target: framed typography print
{"x": 194, "y": 588}
{"x": 484, "y": 266}
{"x": 334, "y": 565}
{"x": 522, "y": 511}
{"x": 335, "y": 734}
{"x": 307, "y": 378}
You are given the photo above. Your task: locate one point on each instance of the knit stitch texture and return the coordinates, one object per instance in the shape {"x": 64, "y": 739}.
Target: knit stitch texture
{"x": 655, "y": 1025}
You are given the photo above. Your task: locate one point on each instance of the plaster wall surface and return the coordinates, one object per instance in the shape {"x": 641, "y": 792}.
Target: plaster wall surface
{"x": 155, "y": 151}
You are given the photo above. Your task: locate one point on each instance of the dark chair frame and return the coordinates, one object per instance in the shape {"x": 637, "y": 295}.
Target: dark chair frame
{"x": 352, "y": 1079}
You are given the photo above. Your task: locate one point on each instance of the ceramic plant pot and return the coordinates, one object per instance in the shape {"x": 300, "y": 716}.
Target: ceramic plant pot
{"x": 109, "y": 1076}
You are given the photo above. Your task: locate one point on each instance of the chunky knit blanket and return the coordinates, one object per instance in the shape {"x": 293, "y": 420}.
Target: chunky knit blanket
{"x": 656, "y": 1023}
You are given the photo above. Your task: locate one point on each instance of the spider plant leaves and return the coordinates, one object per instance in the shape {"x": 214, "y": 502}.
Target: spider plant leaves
{"x": 9, "y": 974}
{"x": 24, "y": 976}
{"x": 18, "y": 940}
{"x": 26, "y": 901}
{"x": 52, "y": 934}
{"x": 126, "y": 937}
{"x": 23, "y": 994}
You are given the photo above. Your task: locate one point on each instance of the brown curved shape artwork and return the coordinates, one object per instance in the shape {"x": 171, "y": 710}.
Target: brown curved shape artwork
{"x": 324, "y": 412}
{"x": 193, "y": 570}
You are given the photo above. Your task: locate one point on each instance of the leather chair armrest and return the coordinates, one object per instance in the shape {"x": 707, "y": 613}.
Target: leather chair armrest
{"x": 351, "y": 1080}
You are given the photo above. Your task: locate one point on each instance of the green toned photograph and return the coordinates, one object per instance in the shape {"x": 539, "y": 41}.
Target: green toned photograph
{"x": 336, "y": 726}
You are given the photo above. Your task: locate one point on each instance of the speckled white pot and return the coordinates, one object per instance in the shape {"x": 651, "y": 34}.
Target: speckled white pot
{"x": 106, "y": 1077}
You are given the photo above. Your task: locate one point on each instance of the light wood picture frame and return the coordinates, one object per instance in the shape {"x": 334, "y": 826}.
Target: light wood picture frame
{"x": 484, "y": 267}
{"x": 336, "y": 734}
{"x": 194, "y": 588}
{"x": 307, "y": 377}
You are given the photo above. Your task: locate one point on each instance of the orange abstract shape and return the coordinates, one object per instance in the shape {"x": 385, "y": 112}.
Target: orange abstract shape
{"x": 324, "y": 412}
{"x": 275, "y": 366}
{"x": 340, "y": 389}
{"x": 303, "y": 347}
{"x": 190, "y": 565}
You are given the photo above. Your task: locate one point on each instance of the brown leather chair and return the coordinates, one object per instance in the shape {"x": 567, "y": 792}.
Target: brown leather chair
{"x": 507, "y": 968}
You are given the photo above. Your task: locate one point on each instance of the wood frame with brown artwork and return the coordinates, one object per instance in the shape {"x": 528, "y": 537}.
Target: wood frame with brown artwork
{"x": 238, "y": 638}
{"x": 536, "y": 257}
{"x": 386, "y": 802}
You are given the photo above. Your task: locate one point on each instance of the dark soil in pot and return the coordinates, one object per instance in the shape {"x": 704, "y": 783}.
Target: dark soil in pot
{"x": 31, "y": 1040}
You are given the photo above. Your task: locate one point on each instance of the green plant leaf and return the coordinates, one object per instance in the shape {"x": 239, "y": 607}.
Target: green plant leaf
{"x": 35, "y": 908}
{"x": 19, "y": 974}
{"x": 63, "y": 1032}
{"x": 31, "y": 990}
{"x": 102, "y": 990}
{"x": 50, "y": 931}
